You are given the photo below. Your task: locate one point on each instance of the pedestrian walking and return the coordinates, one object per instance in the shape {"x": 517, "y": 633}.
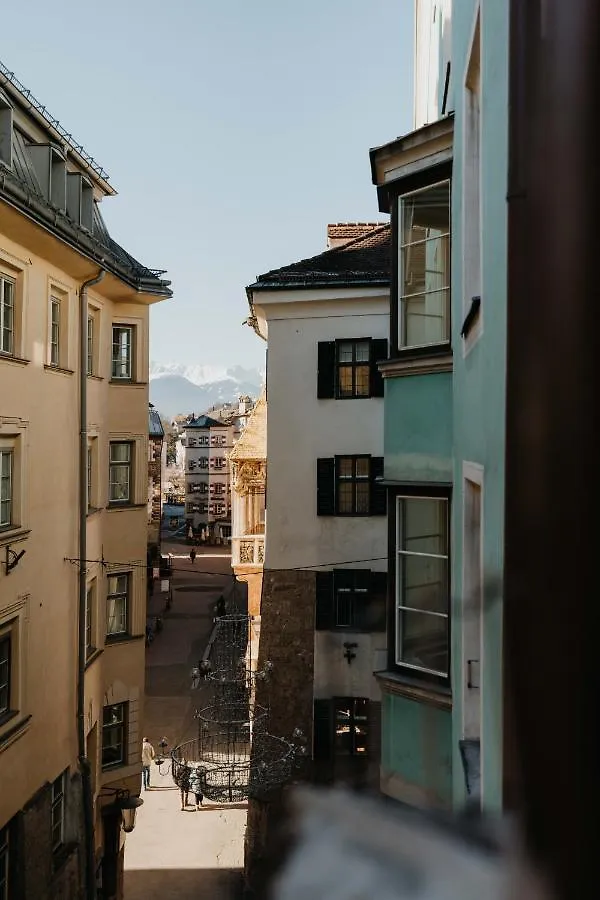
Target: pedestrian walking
{"x": 193, "y": 554}
{"x": 148, "y": 755}
{"x": 184, "y": 785}
{"x": 196, "y": 786}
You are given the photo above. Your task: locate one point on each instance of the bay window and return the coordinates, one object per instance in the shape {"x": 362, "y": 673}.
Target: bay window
{"x": 424, "y": 266}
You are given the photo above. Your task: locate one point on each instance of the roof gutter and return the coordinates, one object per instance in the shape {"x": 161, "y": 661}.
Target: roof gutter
{"x": 84, "y": 763}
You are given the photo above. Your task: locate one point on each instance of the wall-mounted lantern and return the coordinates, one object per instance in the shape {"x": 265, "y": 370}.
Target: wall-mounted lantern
{"x": 126, "y": 805}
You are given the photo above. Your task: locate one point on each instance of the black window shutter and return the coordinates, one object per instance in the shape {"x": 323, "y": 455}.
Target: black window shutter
{"x": 377, "y": 619}
{"x": 326, "y": 487}
{"x": 326, "y": 370}
{"x": 379, "y": 351}
{"x": 378, "y": 491}
{"x": 323, "y": 730}
{"x": 324, "y": 601}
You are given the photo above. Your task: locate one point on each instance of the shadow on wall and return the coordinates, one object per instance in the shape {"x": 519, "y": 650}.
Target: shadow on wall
{"x": 185, "y": 884}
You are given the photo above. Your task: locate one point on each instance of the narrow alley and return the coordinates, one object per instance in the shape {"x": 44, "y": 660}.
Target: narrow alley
{"x": 173, "y": 853}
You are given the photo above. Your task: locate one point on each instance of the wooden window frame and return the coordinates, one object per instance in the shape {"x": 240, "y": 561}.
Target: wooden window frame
{"x": 129, "y": 464}
{"x": 115, "y": 361}
{"x": 123, "y": 725}
{"x": 126, "y": 597}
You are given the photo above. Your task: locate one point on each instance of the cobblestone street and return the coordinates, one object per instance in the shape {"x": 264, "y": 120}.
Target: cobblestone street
{"x": 175, "y": 854}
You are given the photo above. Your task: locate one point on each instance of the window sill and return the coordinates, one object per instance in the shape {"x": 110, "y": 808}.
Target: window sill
{"x": 412, "y": 689}
{"x": 109, "y": 767}
{"x": 13, "y": 534}
{"x": 426, "y": 360}
{"x": 93, "y": 655}
{"x": 58, "y": 369}
{"x": 13, "y": 733}
{"x": 126, "y": 638}
{"x": 92, "y": 510}
{"x": 112, "y": 507}
{"x": 15, "y": 360}
{"x": 93, "y": 377}
{"x": 128, "y": 382}
{"x": 62, "y": 854}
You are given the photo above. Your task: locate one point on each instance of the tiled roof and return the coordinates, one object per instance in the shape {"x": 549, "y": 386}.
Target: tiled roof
{"x": 351, "y": 230}
{"x": 155, "y": 428}
{"x": 365, "y": 260}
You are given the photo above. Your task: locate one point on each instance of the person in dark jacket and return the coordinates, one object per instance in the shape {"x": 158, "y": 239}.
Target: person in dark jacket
{"x": 184, "y": 785}
{"x": 193, "y": 554}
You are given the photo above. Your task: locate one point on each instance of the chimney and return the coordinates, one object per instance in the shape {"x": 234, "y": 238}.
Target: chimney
{"x": 340, "y": 233}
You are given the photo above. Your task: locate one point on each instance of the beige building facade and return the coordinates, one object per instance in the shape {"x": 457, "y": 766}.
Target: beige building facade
{"x": 72, "y": 624}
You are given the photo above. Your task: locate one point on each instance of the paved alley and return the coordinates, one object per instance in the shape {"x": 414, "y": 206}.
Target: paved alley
{"x": 175, "y": 854}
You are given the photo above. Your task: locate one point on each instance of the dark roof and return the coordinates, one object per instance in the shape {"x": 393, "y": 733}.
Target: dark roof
{"x": 21, "y": 188}
{"x": 202, "y": 422}
{"x": 155, "y": 428}
{"x": 363, "y": 261}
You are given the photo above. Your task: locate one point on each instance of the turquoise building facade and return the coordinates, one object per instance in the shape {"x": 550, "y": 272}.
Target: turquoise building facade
{"x": 444, "y": 186}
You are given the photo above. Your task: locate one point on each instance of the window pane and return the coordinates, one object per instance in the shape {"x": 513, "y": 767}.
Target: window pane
{"x": 422, "y": 641}
{"x": 362, "y": 351}
{"x": 345, "y": 381}
{"x": 424, "y": 526}
{"x": 117, "y": 584}
{"x": 343, "y": 611}
{"x": 4, "y": 675}
{"x": 120, "y": 452}
{"x": 362, "y": 467}
{"x": 362, "y": 497}
{"x": 345, "y": 497}
{"x": 121, "y": 352}
{"x": 361, "y": 376}
{"x": 426, "y": 318}
{"x": 345, "y": 352}
{"x": 343, "y": 730}
{"x": 426, "y": 213}
{"x": 119, "y": 483}
{"x": 345, "y": 467}
{"x": 424, "y": 582}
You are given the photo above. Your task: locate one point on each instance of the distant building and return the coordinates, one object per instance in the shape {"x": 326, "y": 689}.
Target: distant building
{"x": 203, "y": 448}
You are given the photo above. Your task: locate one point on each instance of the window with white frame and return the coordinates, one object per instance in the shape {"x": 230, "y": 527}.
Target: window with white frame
{"x": 7, "y": 315}
{"x": 422, "y": 585}
{"x": 5, "y": 673}
{"x": 90, "y": 619}
{"x": 6, "y": 487}
{"x": 90, "y": 344}
{"x": 54, "y": 331}
{"x": 59, "y": 790}
{"x": 114, "y": 735}
{"x": 122, "y": 352}
{"x": 120, "y": 472}
{"x": 424, "y": 266}
{"x": 117, "y": 603}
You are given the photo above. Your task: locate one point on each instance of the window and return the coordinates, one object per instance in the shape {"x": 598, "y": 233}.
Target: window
{"x": 422, "y": 585}
{"x": 120, "y": 486}
{"x": 114, "y": 735}
{"x": 4, "y": 863}
{"x": 58, "y": 811}
{"x": 5, "y": 675}
{"x": 203, "y": 462}
{"x": 7, "y": 315}
{"x": 347, "y": 486}
{"x": 424, "y": 266}
{"x": 351, "y": 600}
{"x": 350, "y": 726}
{"x": 6, "y": 488}
{"x": 348, "y": 368}
{"x": 122, "y": 352}
{"x": 90, "y": 345}
{"x": 117, "y": 604}
{"x": 54, "y": 332}
{"x": 90, "y": 616}
{"x": 89, "y": 477}
{"x": 218, "y": 462}
{"x": 340, "y": 727}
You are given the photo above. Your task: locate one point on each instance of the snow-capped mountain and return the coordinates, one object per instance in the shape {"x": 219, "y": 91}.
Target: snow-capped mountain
{"x": 178, "y": 388}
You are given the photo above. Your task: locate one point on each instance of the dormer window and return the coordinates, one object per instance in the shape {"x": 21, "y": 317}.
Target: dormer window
{"x": 80, "y": 200}
{"x": 6, "y": 127}
{"x": 51, "y": 172}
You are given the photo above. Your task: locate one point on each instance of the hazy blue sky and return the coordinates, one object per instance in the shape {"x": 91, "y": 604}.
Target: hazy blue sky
{"x": 233, "y": 130}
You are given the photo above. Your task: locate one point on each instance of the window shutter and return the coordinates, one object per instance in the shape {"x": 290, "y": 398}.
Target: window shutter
{"x": 378, "y": 491}
{"x": 377, "y": 619}
{"x": 326, "y": 487}
{"x": 326, "y": 370}
{"x": 323, "y": 730}
{"x": 324, "y": 601}
{"x": 379, "y": 351}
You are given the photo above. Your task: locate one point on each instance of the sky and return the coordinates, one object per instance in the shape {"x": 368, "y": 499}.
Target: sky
{"x": 233, "y": 131}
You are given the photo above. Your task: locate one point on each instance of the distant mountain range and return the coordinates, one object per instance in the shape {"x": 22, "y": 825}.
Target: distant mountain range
{"x": 176, "y": 388}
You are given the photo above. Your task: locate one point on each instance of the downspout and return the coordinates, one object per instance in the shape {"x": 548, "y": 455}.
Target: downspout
{"x": 84, "y": 763}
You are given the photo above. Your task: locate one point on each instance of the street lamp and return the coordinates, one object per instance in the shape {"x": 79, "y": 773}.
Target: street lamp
{"x": 125, "y": 804}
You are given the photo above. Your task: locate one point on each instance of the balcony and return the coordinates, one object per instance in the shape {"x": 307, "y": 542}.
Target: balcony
{"x": 248, "y": 550}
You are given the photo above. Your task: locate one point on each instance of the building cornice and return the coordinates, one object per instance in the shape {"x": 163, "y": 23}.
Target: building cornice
{"x": 417, "y": 364}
